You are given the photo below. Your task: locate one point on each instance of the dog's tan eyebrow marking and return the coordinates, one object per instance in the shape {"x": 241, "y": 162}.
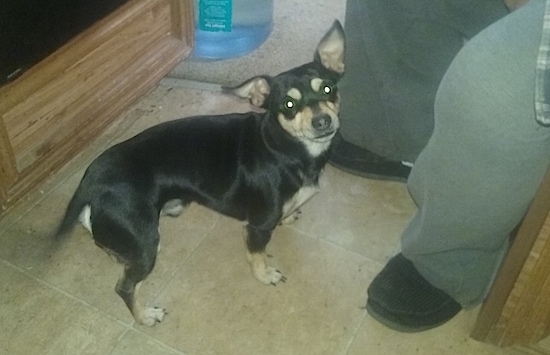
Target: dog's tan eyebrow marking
{"x": 316, "y": 84}
{"x": 295, "y": 94}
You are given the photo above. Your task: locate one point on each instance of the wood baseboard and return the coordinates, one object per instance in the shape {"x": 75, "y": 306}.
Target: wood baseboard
{"x": 57, "y": 107}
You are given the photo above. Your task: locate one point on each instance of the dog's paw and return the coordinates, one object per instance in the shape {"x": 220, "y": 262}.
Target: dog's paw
{"x": 271, "y": 276}
{"x": 152, "y": 316}
{"x": 293, "y": 217}
{"x": 172, "y": 208}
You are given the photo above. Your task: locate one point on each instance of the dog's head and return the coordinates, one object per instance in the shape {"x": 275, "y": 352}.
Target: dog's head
{"x": 304, "y": 101}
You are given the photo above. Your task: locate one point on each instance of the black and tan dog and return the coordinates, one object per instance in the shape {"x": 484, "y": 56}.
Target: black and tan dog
{"x": 255, "y": 167}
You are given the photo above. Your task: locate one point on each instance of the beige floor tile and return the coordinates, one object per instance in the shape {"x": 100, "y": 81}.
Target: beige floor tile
{"x": 79, "y": 267}
{"x": 65, "y": 295}
{"x": 543, "y": 347}
{"x": 36, "y": 319}
{"x": 451, "y": 338}
{"x": 28, "y": 243}
{"x": 138, "y": 343}
{"x": 215, "y": 305}
{"x": 179, "y": 102}
{"x": 361, "y": 215}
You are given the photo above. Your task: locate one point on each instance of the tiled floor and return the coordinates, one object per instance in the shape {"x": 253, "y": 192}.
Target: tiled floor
{"x": 61, "y": 300}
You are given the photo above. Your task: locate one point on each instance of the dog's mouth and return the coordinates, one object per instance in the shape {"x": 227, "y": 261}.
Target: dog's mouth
{"x": 325, "y": 136}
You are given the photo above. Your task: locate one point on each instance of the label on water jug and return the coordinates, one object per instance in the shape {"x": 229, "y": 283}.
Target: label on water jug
{"x": 215, "y": 15}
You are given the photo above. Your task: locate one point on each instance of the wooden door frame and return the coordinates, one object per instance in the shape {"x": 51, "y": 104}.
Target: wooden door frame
{"x": 517, "y": 309}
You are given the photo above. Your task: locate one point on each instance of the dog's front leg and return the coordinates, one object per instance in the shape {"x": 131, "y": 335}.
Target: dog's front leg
{"x": 256, "y": 240}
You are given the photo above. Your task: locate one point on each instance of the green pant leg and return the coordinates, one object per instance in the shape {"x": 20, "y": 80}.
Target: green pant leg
{"x": 484, "y": 162}
{"x": 396, "y": 53}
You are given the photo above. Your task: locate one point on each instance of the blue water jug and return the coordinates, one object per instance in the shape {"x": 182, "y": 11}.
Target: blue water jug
{"x": 231, "y": 28}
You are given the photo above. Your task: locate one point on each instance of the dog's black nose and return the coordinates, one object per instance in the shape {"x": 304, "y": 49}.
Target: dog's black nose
{"x": 321, "y": 121}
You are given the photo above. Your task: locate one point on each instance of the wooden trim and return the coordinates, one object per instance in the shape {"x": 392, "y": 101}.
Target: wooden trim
{"x": 57, "y": 107}
{"x": 517, "y": 309}
{"x": 183, "y": 21}
{"x": 8, "y": 169}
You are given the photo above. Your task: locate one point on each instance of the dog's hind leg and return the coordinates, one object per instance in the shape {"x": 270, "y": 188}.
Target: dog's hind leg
{"x": 128, "y": 289}
{"x": 139, "y": 263}
{"x": 256, "y": 240}
{"x": 136, "y": 248}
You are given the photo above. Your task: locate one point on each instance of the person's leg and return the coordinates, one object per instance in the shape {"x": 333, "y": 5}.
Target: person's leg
{"x": 396, "y": 53}
{"x": 480, "y": 169}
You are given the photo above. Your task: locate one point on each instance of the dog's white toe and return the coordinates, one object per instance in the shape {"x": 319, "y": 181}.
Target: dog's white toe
{"x": 263, "y": 273}
{"x": 272, "y": 276}
{"x": 293, "y": 217}
{"x": 152, "y": 316}
{"x": 172, "y": 208}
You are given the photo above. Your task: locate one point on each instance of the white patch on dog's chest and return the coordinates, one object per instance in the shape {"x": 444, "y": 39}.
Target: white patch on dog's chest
{"x": 299, "y": 198}
{"x": 316, "y": 148}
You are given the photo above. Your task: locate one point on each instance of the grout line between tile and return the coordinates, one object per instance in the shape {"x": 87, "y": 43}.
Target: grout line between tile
{"x": 354, "y": 336}
{"x": 180, "y": 265}
{"x": 118, "y": 341}
{"x": 323, "y": 240}
{"x": 15, "y": 221}
{"x": 360, "y": 324}
{"x": 141, "y": 333}
{"x": 176, "y": 270}
{"x": 65, "y": 293}
{"x": 161, "y": 289}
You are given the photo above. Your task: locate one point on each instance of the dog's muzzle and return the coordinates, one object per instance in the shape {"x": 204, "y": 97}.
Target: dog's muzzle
{"x": 324, "y": 126}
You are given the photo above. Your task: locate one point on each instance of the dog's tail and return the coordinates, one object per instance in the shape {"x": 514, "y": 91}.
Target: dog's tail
{"x": 75, "y": 207}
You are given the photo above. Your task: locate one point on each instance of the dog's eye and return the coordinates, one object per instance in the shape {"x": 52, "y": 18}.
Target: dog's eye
{"x": 327, "y": 88}
{"x": 289, "y": 105}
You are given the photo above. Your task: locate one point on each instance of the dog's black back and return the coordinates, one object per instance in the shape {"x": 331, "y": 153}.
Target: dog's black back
{"x": 221, "y": 162}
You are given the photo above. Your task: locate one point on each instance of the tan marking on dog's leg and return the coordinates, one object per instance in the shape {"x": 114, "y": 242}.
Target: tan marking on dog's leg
{"x": 258, "y": 265}
{"x": 263, "y": 273}
{"x": 146, "y": 316}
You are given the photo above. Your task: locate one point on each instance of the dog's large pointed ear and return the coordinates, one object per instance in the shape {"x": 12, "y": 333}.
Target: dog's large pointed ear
{"x": 330, "y": 51}
{"x": 256, "y": 90}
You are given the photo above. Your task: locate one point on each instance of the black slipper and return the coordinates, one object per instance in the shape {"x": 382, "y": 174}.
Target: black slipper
{"x": 362, "y": 162}
{"x": 401, "y": 299}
